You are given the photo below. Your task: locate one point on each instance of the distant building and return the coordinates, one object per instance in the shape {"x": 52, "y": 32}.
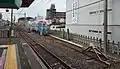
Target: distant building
{"x": 22, "y": 20}
{"x": 55, "y": 18}
{"x": 3, "y": 22}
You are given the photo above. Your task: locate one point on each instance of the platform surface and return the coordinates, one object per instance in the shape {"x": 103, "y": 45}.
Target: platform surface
{"x": 11, "y": 60}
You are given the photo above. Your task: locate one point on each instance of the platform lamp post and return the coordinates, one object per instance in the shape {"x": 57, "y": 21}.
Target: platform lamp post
{"x": 105, "y": 25}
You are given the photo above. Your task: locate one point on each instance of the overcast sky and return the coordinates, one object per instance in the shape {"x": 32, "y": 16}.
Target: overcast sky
{"x": 38, "y": 7}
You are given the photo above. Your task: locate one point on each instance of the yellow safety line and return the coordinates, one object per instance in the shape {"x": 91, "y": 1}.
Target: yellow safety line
{"x": 3, "y": 46}
{"x": 11, "y": 61}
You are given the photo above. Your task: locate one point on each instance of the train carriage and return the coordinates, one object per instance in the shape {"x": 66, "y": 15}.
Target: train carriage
{"x": 39, "y": 27}
{"x": 43, "y": 28}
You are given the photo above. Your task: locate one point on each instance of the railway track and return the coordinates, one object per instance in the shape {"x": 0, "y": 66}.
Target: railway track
{"x": 49, "y": 59}
{"x": 69, "y": 54}
{"x": 74, "y": 54}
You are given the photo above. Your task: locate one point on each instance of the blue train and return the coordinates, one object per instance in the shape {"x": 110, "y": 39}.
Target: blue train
{"x": 39, "y": 27}
{"x": 42, "y": 28}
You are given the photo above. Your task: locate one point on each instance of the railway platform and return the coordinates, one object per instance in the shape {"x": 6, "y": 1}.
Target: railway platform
{"x": 8, "y": 58}
{"x": 11, "y": 60}
{"x": 30, "y": 49}
{"x": 16, "y": 57}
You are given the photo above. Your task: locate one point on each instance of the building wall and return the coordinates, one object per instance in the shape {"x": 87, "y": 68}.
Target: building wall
{"x": 116, "y": 20}
{"x": 86, "y": 15}
{"x": 55, "y": 18}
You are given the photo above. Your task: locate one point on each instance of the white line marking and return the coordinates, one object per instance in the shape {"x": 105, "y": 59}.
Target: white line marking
{"x": 25, "y": 53}
{"x": 24, "y": 43}
{"x": 24, "y": 63}
{"x": 22, "y": 57}
{"x": 67, "y": 41}
{"x": 29, "y": 62}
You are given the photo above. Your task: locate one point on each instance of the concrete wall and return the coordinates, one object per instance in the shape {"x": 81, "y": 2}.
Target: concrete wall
{"x": 116, "y": 20}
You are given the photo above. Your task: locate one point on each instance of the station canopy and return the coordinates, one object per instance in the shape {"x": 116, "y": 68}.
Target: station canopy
{"x": 15, "y": 4}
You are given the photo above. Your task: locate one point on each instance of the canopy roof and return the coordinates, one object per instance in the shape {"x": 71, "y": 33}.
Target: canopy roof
{"x": 10, "y": 4}
{"x": 15, "y": 4}
{"x": 26, "y": 3}
{"x": 23, "y": 18}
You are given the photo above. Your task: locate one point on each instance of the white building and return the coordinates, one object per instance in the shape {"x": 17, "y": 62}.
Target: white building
{"x": 86, "y": 17}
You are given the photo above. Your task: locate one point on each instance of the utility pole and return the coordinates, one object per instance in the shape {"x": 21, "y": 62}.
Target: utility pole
{"x": 14, "y": 18}
{"x": 105, "y": 25}
{"x": 10, "y": 30}
{"x": 25, "y": 22}
{"x": 25, "y": 15}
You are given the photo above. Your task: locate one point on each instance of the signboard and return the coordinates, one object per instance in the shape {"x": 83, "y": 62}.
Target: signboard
{"x": 10, "y": 4}
{"x": 75, "y": 11}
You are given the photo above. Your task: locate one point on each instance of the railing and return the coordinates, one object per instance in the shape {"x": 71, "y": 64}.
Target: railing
{"x": 4, "y": 33}
{"x": 112, "y": 47}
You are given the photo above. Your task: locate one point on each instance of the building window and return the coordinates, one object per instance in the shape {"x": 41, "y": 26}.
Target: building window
{"x": 95, "y": 31}
{"x": 100, "y": 31}
{"x": 90, "y": 30}
{"x": 94, "y": 12}
{"x": 109, "y": 33}
{"x": 99, "y": 11}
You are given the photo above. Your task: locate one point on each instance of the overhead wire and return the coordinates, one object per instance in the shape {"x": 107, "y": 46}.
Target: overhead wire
{"x": 34, "y": 4}
{"x": 41, "y": 1}
{"x": 48, "y": 2}
{"x": 21, "y": 10}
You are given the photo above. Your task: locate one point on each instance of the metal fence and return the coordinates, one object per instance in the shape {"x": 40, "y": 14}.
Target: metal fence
{"x": 112, "y": 47}
{"x": 4, "y": 33}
